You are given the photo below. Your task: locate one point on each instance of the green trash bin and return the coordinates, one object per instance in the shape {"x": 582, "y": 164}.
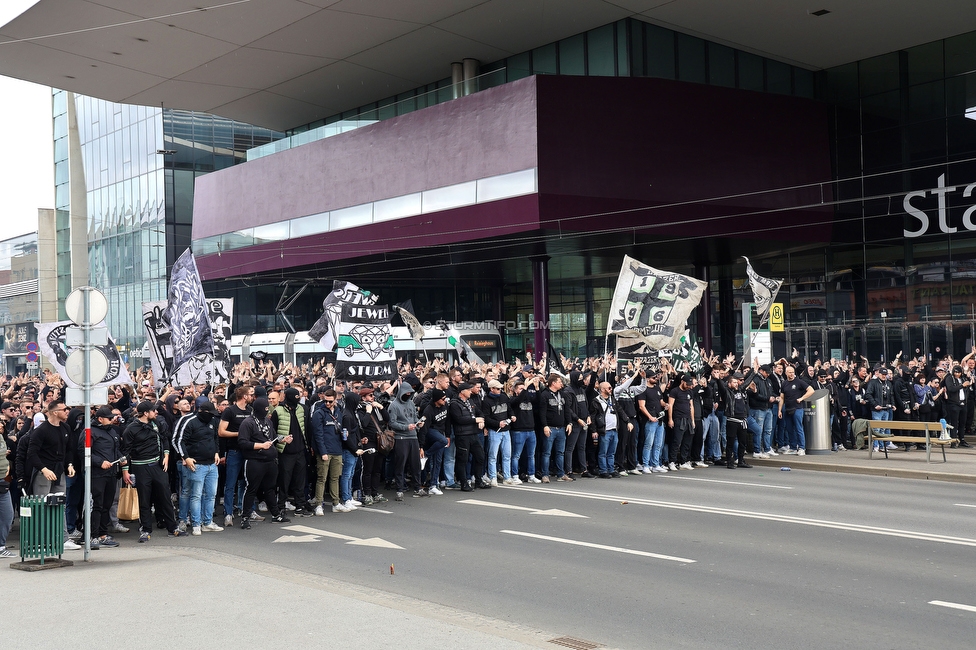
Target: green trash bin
{"x": 41, "y": 527}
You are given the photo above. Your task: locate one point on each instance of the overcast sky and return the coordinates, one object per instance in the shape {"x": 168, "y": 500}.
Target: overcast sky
{"x": 26, "y": 148}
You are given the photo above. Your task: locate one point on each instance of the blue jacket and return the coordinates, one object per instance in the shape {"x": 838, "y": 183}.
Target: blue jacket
{"x": 327, "y": 430}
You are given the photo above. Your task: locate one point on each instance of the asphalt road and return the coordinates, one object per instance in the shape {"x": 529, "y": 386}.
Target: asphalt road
{"x": 708, "y": 558}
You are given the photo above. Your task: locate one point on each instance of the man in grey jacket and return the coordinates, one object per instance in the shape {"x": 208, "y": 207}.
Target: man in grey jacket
{"x": 404, "y": 422}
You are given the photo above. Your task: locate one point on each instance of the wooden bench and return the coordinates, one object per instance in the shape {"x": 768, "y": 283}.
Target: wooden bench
{"x": 928, "y": 427}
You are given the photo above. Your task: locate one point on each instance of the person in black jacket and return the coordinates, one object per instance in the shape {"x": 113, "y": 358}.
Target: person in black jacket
{"x": 523, "y": 398}
{"x": 556, "y": 420}
{"x": 105, "y": 471}
{"x": 256, "y": 439}
{"x": 498, "y": 420}
{"x": 468, "y": 425}
{"x": 327, "y": 438}
{"x": 369, "y": 414}
{"x": 956, "y": 386}
{"x": 433, "y": 439}
{"x": 198, "y": 445}
{"x": 148, "y": 452}
{"x": 736, "y": 432}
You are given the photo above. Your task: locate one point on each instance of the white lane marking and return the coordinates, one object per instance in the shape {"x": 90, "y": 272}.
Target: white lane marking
{"x": 353, "y": 541}
{"x": 804, "y": 521}
{"x": 714, "y": 480}
{"x": 965, "y": 505}
{"x": 371, "y": 509}
{"x": 532, "y": 511}
{"x": 298, "y": 538}
{"x": 942, "y": 603}
{"x": 602, "y": 547}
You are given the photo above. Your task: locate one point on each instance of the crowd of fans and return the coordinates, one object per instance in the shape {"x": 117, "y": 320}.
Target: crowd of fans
{"x": 281, "y": 441}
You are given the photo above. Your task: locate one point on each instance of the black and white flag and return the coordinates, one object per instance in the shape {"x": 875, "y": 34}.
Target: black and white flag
{"x": 652, "y": 305}
{"x": 405, "y": 309}
{"x": 365, "y": 343}
{"x": 326, "y": 328}
{"x": 52, "y": 343}
{"x": 187, "y": 315}
{"x": 201, "y": 368}
{"x": 764, "y": 290}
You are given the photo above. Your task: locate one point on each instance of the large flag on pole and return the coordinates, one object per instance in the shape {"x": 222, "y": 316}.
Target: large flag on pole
{"x": 464, "y": 351}
{"x": 652, "y": 305}
{"x": 326, "y": 328}
{"x": 405, "y": 309}
{"x": 187, "y": 314}
{"x": 764, "y": 290}
{"x": 365, "y": 343}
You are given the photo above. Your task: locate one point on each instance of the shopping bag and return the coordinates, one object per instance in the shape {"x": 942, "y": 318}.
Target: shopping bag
{"x": 128, "y": 504}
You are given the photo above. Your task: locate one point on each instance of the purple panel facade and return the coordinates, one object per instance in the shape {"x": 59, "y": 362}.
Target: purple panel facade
{"x": 485, "y": 134}
{"x": 506, "y": 217}
{"x": 619, "y": 144}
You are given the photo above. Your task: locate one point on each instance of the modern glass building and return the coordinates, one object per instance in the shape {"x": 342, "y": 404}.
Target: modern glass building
{"x": 138, "y": 166}
{"x": 18, "y": 299}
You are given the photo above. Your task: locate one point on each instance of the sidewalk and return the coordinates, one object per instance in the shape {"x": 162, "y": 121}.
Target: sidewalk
{"x": 960, "y": 465}
{"x": 168, "y": 596}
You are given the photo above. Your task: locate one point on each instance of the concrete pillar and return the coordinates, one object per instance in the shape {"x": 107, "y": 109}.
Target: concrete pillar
{"x": 705, "y": 310}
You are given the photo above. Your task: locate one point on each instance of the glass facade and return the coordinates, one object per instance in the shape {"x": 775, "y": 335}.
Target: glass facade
{"x": 140, "y": 164}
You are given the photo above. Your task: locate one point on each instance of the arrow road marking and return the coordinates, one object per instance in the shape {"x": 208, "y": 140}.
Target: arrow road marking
{"x": 532, "y": 511}
{"x": 602, "y": 547}
{"x": 748, "y": 514}
{"x": 965, "y": 505}
{"x": 942, "y": 603}
{"x": 298, "y": 538}
{"x": 352, "y": 541}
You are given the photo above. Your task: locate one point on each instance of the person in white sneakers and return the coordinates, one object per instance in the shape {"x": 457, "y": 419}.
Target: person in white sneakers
{"x": 794, "y": 392}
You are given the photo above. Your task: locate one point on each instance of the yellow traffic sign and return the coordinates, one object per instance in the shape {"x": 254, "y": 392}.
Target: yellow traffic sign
{"x": 776, "y": 317}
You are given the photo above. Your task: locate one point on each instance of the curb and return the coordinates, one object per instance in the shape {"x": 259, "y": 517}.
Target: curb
{"x": 813, "y": 465}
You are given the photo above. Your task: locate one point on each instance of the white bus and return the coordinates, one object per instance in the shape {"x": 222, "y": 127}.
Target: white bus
{"x": 299, "y": 348}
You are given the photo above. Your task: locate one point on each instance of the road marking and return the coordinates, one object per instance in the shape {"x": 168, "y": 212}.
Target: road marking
{"x": 299, "y": 538}
{"x": 670, "y": 477}
{"x": 352, "y": 541}
{"x": 532, "y": 511}
{"x": 748, "y": 514}
{"x": 372, "y": 509}
{"x": 966, "y": 505}
{"x": 942, "y": 603}
{"x": 602, "y": 547}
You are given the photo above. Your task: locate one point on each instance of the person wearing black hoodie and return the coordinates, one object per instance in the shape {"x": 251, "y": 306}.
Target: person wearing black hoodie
{"x": 432, "y": 437}
{"x": 498, "y": 420}
{"x": 352, "y": 441}
{"x": 256, "y": 440}
{"x": 105, "y": 471}
{"x": 578, "y": 404}
{"x": 468, "y": 426}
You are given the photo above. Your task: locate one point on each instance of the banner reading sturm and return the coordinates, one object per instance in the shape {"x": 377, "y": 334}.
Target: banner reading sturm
{"x": 365, "y": 343}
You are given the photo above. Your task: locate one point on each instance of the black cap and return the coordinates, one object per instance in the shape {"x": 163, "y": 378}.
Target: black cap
{"x": 688, "y": 379}
{"x": 321, "y": 389}
{"x": 208, "y": 406}
{"x": 437, "y": 394}
{"x": 104, "y": 412}
{"x": 145, "y": 407}
{"x": 7, "y": 405}
{"x": 957, "y": 369}
{"x": 465, "y": 386}
{"x": 766, "y": 368}
{"x": 737, "y": 375}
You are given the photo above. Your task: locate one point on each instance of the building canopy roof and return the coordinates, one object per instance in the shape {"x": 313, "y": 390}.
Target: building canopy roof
{"x": 282, "y": 63}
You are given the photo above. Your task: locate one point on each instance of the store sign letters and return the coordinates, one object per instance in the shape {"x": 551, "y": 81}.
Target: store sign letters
{"x": 923, "y": 218}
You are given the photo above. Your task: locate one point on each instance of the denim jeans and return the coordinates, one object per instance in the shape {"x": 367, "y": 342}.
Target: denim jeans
{"x": 184, "y": 498}
{"x": 794, "y": 425}
{"x": 202, "y": 486}
{"x": 523, "y": 440}
{"x": 760, "y": 423}
{"x": 885, "y": 415}
{"x": 653, "y": 442}
{"x": 345, "y": 481}
{"x": 6, "y": 516}
{"x": 503, "y": 441}
{"x": 233, "y": 482}
{"x": 712, "y": 431}
{"x": 555, "y": 443}
{"x": 449, "y": 455}
{"x": 606, "y": 452}
{"x": 435, "y": 456}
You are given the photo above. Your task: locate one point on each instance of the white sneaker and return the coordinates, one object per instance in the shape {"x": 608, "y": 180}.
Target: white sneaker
{"x": 622, "y": 472}
{"x": 493, "y": 482}
{"x": 801, "y": 452}
{"x": 340, "y": 508}
{"x": 658, "y": 470}
{"x": 350, "y": 505}
{"x": 516, "y": 480}
{"x": 435, "y": 490}
{"x": 789, "y": 452}
{"x": 196, "y": 531}
{"x": 771, "y": 453}
{"x": 263, "y": 507}
{"x": 289, "y": 506}
{"x": 319, "y": 512}
{"x": 639, "y": 470}
{"x": 354, "y": 502}
{"x": 701, "y": 464}
{"x": 211, "y": 528}
{"x": 71, "y": 546}
{"x": 506, "y": 481}
{"x": 686, "y": 465}
{"x": 672, "y": 467}
{"x": 784, "y": 449}
{"x": 841, "y": 448}
{"x": 892, "y": 446}
{"x": 534, "y": 479}
{"x": 256, "y": 517}
{"x": 228, "y": 520}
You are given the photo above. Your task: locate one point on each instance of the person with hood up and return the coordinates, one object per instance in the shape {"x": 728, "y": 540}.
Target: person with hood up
{"x": 577, "y": 402}
{"x": 352, "y": 439}
{"x": 291, "y": 423}
{"x": 404, "y": 422}
{"x": 256, "y": 440}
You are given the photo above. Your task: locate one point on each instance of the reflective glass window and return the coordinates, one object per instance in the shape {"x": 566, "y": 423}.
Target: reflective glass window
{"x": 544, "y": 60}
{"x": 750, "y": 69}
{"x": 721, "y": 65}
{"x": 518, "y": 66}
{"x": 660, "y": 51}
{"x": 600, "y": 52}
{"x": 960, "y": 54}
{"x": 779, "y": 77}
{"x": 691, "y": 59}
{"x": 571, "y": 58}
